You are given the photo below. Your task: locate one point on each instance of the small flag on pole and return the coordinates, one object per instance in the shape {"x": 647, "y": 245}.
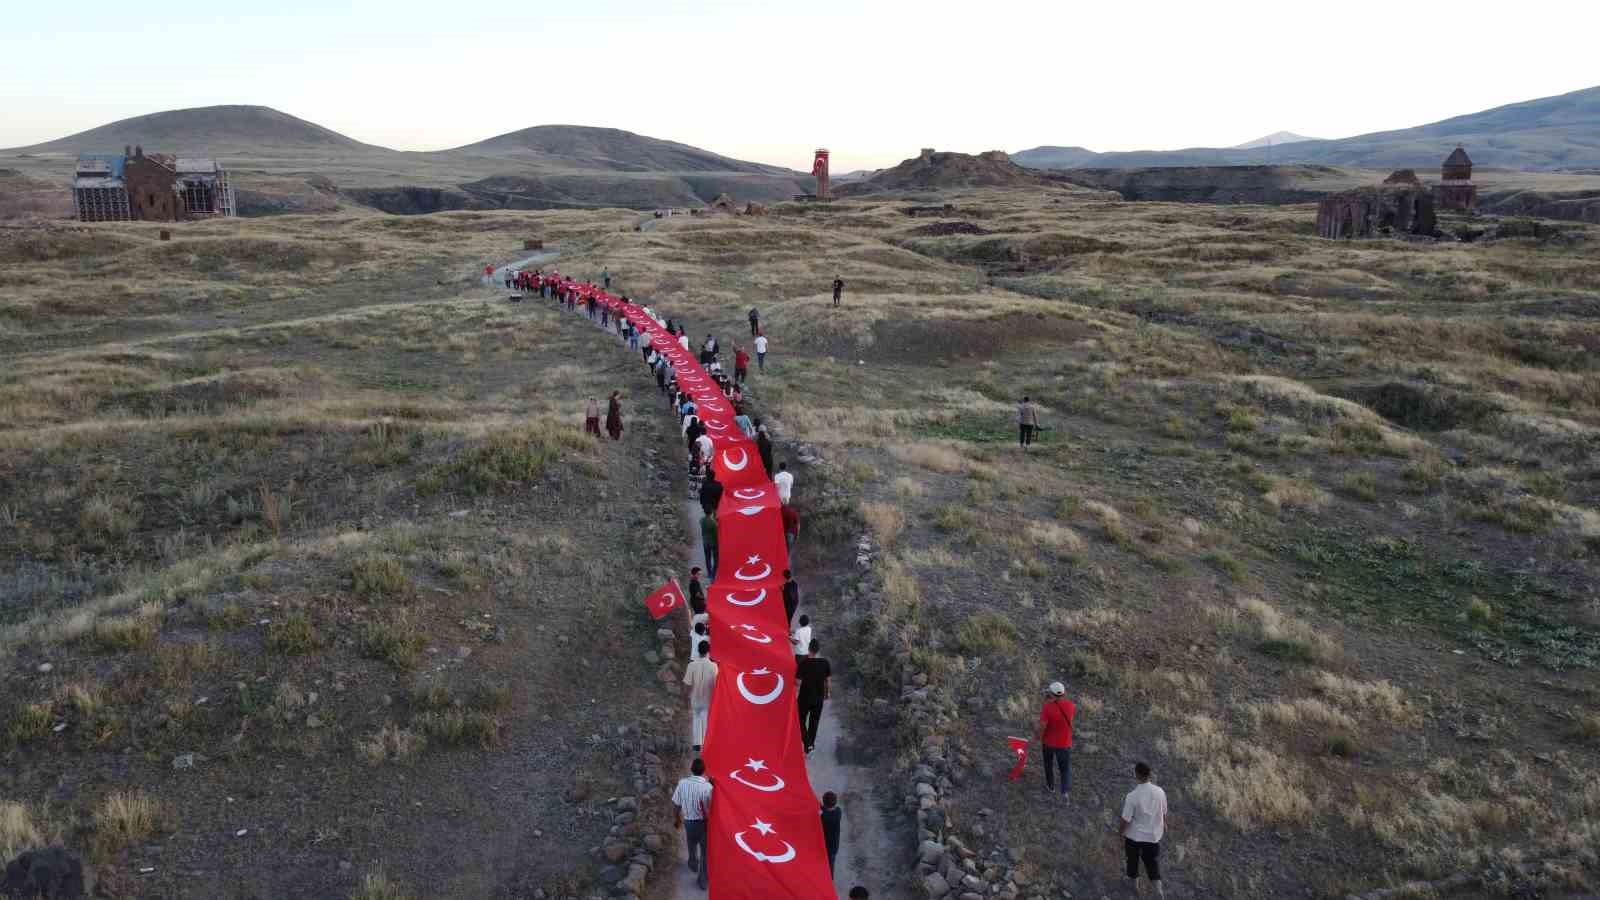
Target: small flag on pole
{"x": 666, "y": 598}
{"x": 1019, "y": 752}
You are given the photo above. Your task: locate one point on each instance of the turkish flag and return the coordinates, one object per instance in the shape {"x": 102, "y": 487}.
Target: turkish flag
{"x": 666, "y": 598}
{"x": 1019, "y": 751}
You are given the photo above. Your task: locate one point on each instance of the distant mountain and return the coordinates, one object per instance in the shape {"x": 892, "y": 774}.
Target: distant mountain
{"x": 1561, "y": 132}
{"x": 1275, "y": 139}
{"x": 206, "y": 130}
{"x": 608, "y": 149}
{"x": 937, "y": 171}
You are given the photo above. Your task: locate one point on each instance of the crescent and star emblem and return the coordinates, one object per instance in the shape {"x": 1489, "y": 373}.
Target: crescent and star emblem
{"x": 765, "y": 829}
{"x": 760, "y": 699}
{"x": 760, "y": 596}
{"x": 755, "y": 766}
{"x": 747, "y": 630}
{"x": 766, "y": 570}
{"x": 670, "y": 600}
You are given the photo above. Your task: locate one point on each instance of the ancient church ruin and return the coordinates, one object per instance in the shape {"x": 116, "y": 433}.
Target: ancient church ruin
{"x": 1455, "y": 189}
{"x": 154, "y": 187}
{"x": 1396, "y": 207}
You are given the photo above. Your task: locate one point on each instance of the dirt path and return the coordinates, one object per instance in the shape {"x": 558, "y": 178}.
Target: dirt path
{"x": 867, "y": 853}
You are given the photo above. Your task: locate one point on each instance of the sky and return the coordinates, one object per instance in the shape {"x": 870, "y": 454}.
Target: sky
{"x": 873, "y": 80}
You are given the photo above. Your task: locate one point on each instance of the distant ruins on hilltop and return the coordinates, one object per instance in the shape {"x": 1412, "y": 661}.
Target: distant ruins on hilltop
{"x": 1455, "y": 189}
{"x": 155, "y": 187}
{"x": 1401, "y": 205}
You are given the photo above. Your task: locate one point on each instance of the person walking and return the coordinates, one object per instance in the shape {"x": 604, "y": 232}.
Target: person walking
{"x": 605, "y": 278}
{"x": 755, "y": 321}
{"x": 691, "y": 800}
{"x": 1027, "y": 422}
{"x": 800, "y": 639}
{"x": 791, "y": 526}
{"x": 614, "y": 416}
{"x": 838, "y": 290}
{"x": 815, "y": 678}
{"x": 710, "y": 495}
{"x": 761, "y": 352}
{"x": 764, "y": 448}
{"x": 488, "y": 274}
{"x": 708, "y": 538}
{"x": 697, "y": 593}
{"x": 743, "y": 421}
{"x": 591, "y": 417}
{"x": 1055, "y": 735}
{"x": 831, "y": 816}
{"x": 1144, "y": 821}
{"x": 791, "y": 595}
{"x": 785, "y": 482}
{"x": 700, "y": 682}
{"x": 741, "y": 364}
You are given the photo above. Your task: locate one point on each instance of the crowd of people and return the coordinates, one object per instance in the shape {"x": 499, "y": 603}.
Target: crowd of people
{"x": 1143, "y": 819}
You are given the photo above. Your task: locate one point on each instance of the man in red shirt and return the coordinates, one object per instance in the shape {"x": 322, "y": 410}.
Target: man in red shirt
{"x": 741, "y": 363}
{"x": 1055, "y": 733}
{"x": 791, "y": 526}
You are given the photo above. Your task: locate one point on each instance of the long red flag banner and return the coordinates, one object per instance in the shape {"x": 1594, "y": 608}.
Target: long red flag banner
{"x": 764, "y": 832}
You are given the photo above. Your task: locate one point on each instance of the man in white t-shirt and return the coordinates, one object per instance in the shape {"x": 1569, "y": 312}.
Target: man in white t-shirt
{"x": 761, "y": 352}
{"x": 692, "y": 799}
{"x": 801, "y": 637}
{"x": 683, "y": 341}
{"x": 1144, "y": 821}
{"x": 785, "y": 482}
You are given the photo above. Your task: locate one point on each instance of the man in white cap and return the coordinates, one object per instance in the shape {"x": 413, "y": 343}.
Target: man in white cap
{"x": 1055, "y": 734}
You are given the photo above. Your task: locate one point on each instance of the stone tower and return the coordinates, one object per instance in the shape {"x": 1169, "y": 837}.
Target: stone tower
{"x": 819, "y": 168}
{"x": 1455, "y": 189}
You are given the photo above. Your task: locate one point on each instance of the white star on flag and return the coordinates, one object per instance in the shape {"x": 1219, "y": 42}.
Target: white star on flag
{"x": 755, "y": 765}
{"x": 762, "y": 827}
{"x": 753, "y": 559}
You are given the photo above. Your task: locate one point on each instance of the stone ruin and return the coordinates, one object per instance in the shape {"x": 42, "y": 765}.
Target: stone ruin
{"x": 723, "y": 203}
{"x": 755, "y": 209}
{"x": 1399, "y": 206}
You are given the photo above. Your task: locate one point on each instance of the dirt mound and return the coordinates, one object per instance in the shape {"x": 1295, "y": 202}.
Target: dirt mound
{"x": 940, "y": 229}
{"x": 947, "y": 170}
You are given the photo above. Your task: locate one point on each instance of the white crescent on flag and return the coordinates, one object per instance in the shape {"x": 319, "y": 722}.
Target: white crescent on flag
{"x": 750, "y": 493}
{"x": 747, "y": 631}
{"x": 727, "y": 458}
{"x": 759, "y": 699}
{"x": 765, "y": 829}
{"x": 750, "y": 510}
{"x": 760, "y": 596}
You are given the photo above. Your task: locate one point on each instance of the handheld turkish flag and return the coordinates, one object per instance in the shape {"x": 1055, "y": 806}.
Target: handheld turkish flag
{"x": 666, "y": 598}
{"x": 1019, "y": 751}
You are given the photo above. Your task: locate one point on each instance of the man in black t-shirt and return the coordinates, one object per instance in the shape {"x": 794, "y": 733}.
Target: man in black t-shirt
{"x": 791, "y": 595}
{"x": 814, "y": 677}
{"x": 831, "y": 814}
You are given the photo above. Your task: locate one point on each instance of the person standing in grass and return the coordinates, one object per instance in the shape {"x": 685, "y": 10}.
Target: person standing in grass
{"x": 605, "y": 278}
{"x": 708, "y": 538}
{"x": 838, "y": 290}
{"x": 1027, "y": 422}
{"x": 614, "y": 416}
{"x": 755, "y": 322}
{"x": 591, "y": 417}
{"x": 831, "y": 816}
{"x": 761, "y": 352}
{"x": 1055, "y": 735}
{"x": 1144, "y": 821}
{"x": 815, "y": 678}
{"x": 700, "y": 680}
{"x": 692, "y": 802}
{"x": 741, "y": 364}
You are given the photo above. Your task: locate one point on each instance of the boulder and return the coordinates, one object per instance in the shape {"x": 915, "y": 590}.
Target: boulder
{"x": 51, "y": 873}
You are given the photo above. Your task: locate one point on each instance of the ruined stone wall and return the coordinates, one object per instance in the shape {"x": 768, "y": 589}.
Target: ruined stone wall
{"x": 1375, "y": 212}
{"x": 1456, "y": 195}
{"x": 151, "y": 190}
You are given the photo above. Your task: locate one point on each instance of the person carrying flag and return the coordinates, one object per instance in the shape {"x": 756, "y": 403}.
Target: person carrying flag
{"x": 1055, "y": 735}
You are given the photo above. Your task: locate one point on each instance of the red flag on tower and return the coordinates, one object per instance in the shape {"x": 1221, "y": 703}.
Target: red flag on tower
{"x": 1019, "y": 751}
{"x": 666, "y": 598}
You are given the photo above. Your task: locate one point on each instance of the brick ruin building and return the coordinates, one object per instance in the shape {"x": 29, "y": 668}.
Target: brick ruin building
{"x": 819, "y": 168}
{"x": 154, "y": 187}
{"x": 1401, "y": 205}
{"x": 1455, "y": 189}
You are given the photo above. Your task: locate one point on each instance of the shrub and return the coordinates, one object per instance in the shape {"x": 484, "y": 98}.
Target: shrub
{"x": 1361, "y": 485}
{"x": 379, "y": 577}
{"x": 458, "y": 728}
{"x": 128, "y": 817}
{"x": 390, "y": 743}
{"x": 20, "y": 830}
{"x": 885, "y": 521}
{"x": 986, "y": 633}
{"x": 378, "y": 886}
{"x": 293, "y": 634}
{"x": 122, "y": 635}
{"x": 396, "y": 638}
{"x": 30, "y": 723}
{"x": 1286, "y": 650}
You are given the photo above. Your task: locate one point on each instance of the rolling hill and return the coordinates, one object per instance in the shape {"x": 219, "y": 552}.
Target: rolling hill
{"x": 1550, "y": 133}
{"x": 286, "y": 164}
{"x": 1275, "y": 139}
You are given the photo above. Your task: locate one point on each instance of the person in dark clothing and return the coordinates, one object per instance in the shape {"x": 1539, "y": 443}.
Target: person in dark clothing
{"x": 710, "y": 495}
{"x": 614, "y": 416}
{"x": 838, "y": 290}
{"x": 697, "y": 592}
{"x": 708, "y": 538}
{"x": 764, "y": 447}
{"x": 860, "y": 893}
{"x": 791, "y": 595}
{"x": 815, "y": 678}
{"x": 831, "y": 814}
{"x": 755, "y": 322}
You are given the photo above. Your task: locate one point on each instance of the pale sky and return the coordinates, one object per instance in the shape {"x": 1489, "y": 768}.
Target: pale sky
{"x": 872, "y": 80}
